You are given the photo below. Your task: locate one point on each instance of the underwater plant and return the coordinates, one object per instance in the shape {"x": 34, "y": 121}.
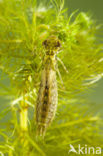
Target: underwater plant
{"x": 31, "y": 34}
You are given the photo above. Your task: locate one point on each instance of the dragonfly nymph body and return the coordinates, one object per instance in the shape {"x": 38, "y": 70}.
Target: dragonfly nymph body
{"x": 48, "y": 94}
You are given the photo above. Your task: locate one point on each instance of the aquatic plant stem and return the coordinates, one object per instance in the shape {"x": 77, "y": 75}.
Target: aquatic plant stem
{"x": 24, "y": 115}
{"x": 24, "y": 125}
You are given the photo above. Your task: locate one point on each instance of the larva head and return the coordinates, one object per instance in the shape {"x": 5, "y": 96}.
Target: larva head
{"x": 52, "y": 45}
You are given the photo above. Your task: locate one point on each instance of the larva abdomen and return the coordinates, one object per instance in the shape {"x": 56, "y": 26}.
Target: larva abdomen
{"x": 47, "y": 100}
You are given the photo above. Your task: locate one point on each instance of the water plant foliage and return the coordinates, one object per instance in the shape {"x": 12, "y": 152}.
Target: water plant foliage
{"x": 24, "y": 25}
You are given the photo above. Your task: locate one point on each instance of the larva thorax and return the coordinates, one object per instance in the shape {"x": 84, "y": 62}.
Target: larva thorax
{"x": 48, "y": 95}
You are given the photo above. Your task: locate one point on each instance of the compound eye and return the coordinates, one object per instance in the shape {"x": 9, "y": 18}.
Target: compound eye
{"x": 45, "y": 43}
{"x": 58, "y": 44}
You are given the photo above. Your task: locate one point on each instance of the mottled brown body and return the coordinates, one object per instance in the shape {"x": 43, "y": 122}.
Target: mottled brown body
{"x": 48, "y": 95}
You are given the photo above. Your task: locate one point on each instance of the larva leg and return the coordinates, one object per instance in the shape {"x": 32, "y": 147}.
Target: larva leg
{"x": 59, "y": 76}
{"x": 57, "y": 69}
{"x": 62, "y": 65}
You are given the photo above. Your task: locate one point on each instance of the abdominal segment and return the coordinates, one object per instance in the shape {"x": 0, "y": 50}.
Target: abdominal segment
{"x": 47, "y": 100}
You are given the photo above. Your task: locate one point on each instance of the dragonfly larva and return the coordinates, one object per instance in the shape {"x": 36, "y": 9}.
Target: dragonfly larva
{"x": 48, "y": 94}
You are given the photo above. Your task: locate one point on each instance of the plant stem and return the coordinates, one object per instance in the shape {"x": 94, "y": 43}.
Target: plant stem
{"x": 24, "y": 125}
{"x": 24, "y": 115}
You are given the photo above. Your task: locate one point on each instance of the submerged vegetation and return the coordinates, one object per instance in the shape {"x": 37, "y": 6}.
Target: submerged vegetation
{"x": 24, "y": 25}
